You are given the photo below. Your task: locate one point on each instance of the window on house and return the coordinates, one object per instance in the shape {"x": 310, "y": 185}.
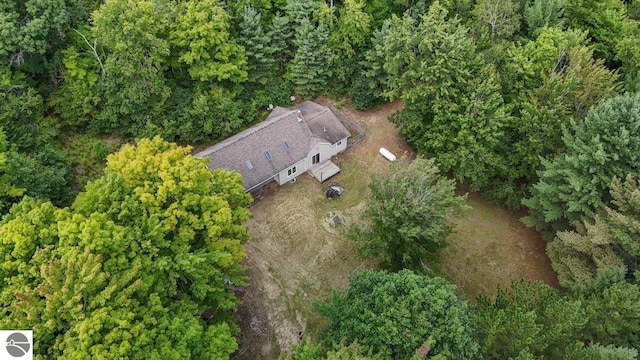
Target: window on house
{"x": 291, "y": 171}
{"x": 286, "y": 145}
{"x": 249, "y": 164}
{"x": 268, "y": 154}
{"x": 339, "y": 143}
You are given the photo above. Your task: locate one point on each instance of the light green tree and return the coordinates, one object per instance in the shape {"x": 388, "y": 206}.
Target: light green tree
{"x": 127, "y": 271}
{"x": 205, "y": 45}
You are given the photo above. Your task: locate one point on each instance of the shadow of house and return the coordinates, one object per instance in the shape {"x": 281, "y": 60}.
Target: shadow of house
{"x": 289, "y": 142}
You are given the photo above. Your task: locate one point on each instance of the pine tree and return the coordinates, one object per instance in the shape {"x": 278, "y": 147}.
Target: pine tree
{"x": 257, "y": 46}
{"x": 308, "y": 69}
{"x": 281, "y": 35}
{"x": 576, "y": 183}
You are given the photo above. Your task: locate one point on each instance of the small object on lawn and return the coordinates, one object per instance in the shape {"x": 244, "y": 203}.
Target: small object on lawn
{"x": 305, "y": 295}
{"x": 334, "y": 220}
{"x": 387, "y": 154}
{"x": 334, "y": 191}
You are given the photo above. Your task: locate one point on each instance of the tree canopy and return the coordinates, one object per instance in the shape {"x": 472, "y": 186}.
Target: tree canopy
{"x": 129, "y": 269}
{"x": 408, "y": 215}
{"x": 394, "y": 314}
{"x": 576, "y": 183}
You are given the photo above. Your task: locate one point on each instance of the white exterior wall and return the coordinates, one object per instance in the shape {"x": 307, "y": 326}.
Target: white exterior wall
{"x": 301, "y": 167}
{"x": 326, "y": 151}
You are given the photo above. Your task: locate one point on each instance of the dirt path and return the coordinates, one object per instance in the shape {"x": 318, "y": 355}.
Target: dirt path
{"x": 295, "y": 257}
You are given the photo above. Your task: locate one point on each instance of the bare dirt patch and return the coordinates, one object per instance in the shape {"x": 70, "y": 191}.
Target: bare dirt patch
{"x": 295, "y": 257}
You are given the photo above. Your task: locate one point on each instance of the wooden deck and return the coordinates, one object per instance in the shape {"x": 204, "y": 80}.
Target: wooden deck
{"x": 324, "y": 170}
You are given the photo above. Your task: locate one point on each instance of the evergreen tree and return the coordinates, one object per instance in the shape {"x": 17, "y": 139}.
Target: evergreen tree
{"x": 308, "y": 70}
{"x": 534, "y": 321}
{"x": 612, "y": 239}
{"x": 257, "y": 45}
{"x": 576, "y": 183}
{"x": 453, "y": 109}
{"x": 539, "y": 14}
{"x": 281, "y": 35}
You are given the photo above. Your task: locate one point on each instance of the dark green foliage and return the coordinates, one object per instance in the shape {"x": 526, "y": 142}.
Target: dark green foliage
{"x": 453, "y": 109}
{"x": 382, "y": 10}
{"x": 612, "y": 307}
{"x": 532, "y": 318}
{"x": 198, "y": 115}
{"x": 549, "y": 82}
{"x": 408, "y": 215}
{"x": 370, "y": 81}
{"x": 45, "y": 174}
{"x": 282, "y": 39}
{"x": 274, "y": 92}
{"x": 576, "y": 183}
{"x": 133, "y": 89}
{"x": 535, "y": 321}
{"x": 308, "y": 69}
{"x": 394, "y": 313}
{"x": 261, "y": 66}
{"x": 21, "y": 113}
{"x": 603, "y": 19}
{"x": 9, "y": 193}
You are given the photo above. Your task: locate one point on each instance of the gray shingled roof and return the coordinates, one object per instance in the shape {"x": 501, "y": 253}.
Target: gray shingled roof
{"x": 322, "y": 122}
{"x": 293, "y": 126}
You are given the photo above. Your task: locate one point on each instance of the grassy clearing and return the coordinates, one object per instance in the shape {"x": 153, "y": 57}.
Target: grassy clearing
{"x": 295, "y": 257}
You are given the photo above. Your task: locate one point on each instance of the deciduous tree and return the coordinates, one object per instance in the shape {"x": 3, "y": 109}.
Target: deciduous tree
{"x": 393, "y": 314}
{"x": 128, "y": 270}
{"x": 409, "y": 213}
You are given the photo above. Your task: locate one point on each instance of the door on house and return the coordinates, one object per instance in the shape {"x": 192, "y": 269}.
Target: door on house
{"x": 315, "y": 159}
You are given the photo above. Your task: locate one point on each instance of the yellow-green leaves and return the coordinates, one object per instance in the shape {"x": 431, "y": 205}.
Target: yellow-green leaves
{"x": 127, "y": 271}
{"x": 202, "y": 34}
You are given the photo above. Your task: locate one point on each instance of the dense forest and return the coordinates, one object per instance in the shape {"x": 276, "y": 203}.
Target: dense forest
{"x": 533, "y": 103}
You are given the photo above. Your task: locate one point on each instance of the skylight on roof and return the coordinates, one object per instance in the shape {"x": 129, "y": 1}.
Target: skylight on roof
{"x": 268, "y": 154}
{"x": 249, "y": 164}
{"x": 286, "y": 145}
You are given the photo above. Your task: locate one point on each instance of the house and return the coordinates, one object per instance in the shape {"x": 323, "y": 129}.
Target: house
{"x": 289, "y": 142}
